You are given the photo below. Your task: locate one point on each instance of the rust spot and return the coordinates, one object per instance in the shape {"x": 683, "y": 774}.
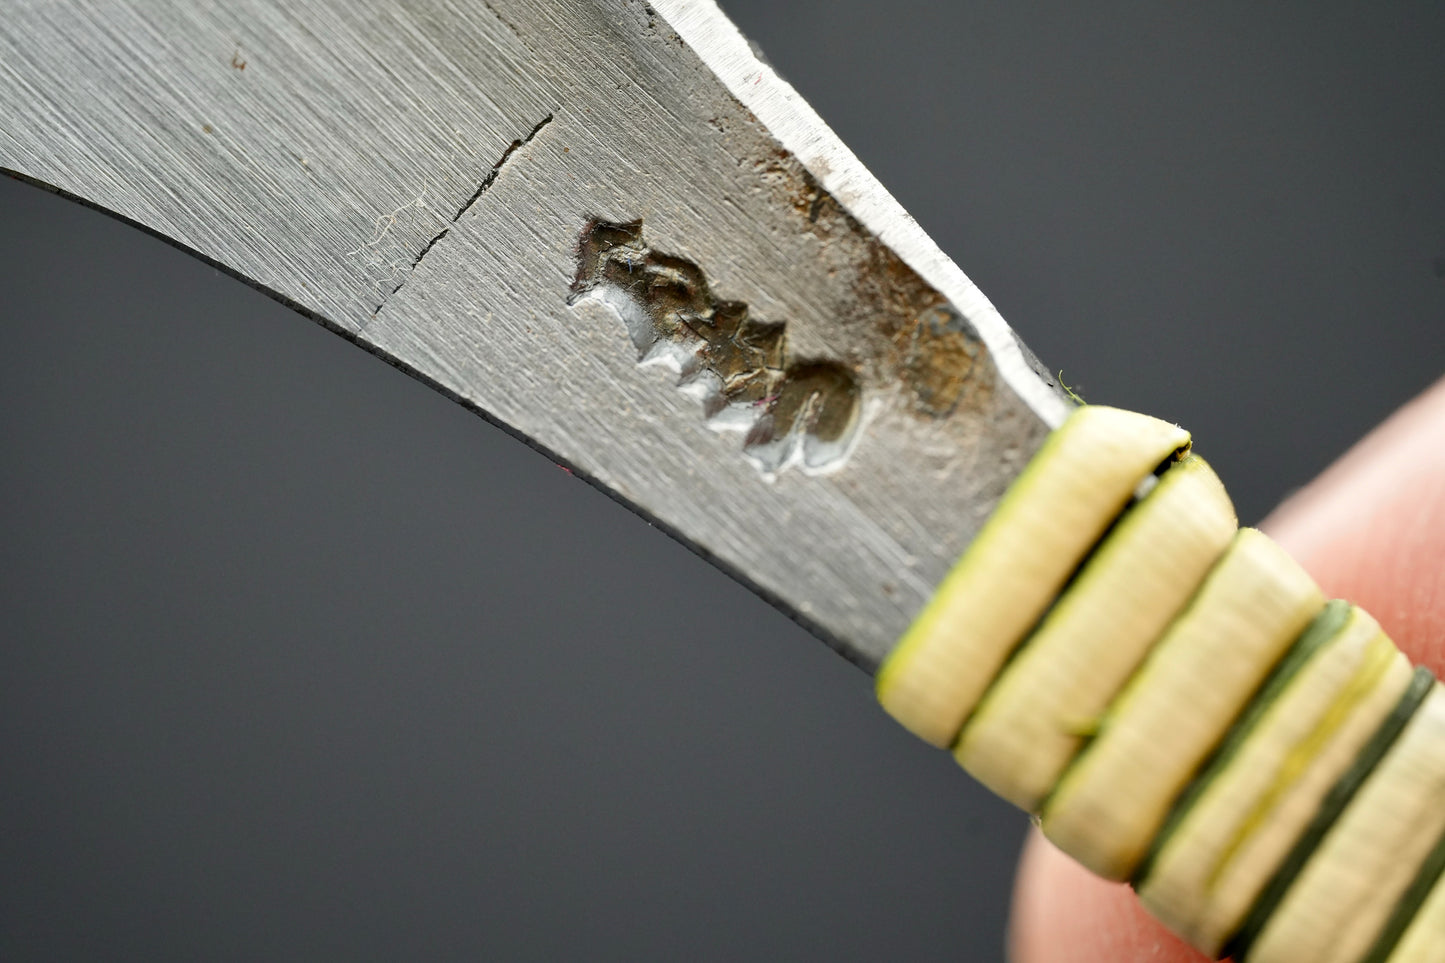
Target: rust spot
{"x": 236, "y": 60}
{"x": 924, "y": 344}
{"x": 792, "y": 410}
{"x": 937, "y": 355}
{"x": 207, "y": 129}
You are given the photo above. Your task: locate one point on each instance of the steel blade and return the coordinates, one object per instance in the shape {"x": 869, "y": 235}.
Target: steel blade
{"x": 608, "y": 227}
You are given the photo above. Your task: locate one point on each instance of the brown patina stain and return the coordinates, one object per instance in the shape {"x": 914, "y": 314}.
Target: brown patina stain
{"x": 938, "y": 356}
{"x": 791, "y": 409}
{"x": 923, "y": 344}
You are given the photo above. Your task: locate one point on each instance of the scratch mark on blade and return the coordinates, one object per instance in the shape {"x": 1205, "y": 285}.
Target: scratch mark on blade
{"x": 497, "y": 167}
{"x": 508, "y": 24}
{"x": 477, "y": 195}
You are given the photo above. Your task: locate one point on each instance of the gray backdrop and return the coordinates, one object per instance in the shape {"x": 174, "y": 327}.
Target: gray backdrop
{"x": 301, "y": 661}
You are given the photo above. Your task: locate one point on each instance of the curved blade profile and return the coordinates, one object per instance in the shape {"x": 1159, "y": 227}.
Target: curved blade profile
{"x": 608, "y": 227}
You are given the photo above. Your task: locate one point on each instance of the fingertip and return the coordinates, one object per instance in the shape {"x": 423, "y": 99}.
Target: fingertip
{"x": 1371, "y": 529}
{"x": 1062, "y": 913}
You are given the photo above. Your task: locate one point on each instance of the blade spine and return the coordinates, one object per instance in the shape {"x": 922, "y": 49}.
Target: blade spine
{"x": 789, "y": 118}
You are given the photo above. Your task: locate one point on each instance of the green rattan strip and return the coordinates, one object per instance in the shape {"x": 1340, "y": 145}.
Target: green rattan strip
{"x": 1330, "y": 809}
{"x": 1325, "y": 627}
{"x": 1409, "y": 905}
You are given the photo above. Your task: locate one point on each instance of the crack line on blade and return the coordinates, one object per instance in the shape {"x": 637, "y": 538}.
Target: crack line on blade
{"x": 467, "y": 205}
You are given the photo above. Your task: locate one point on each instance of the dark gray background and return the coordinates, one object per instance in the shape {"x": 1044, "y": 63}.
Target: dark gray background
{"x": 302, "y": 661}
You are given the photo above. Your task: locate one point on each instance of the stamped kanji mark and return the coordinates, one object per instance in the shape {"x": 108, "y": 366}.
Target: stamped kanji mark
{"x": 792, "y": 411}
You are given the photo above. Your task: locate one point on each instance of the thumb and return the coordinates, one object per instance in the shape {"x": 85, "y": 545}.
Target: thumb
{"x": 1371, "y": 529}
